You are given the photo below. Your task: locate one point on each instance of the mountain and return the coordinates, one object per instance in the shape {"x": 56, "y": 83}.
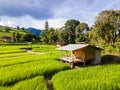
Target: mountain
{"x": 34, "y": 31}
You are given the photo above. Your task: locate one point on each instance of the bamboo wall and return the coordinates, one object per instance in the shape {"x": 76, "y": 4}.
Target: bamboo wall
{"x": 80, "y": 54}
{"x": 87, "y": 53}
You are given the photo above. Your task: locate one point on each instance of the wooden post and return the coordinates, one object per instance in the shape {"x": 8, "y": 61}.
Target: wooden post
{"x": 67, "y": 55}
{"x": 72, "y": 64}
{"x": 84, "y": 58}
{"x": 72, "y": 56}
{"x": 61, "y": 54}
{"x": 84, "y": 63}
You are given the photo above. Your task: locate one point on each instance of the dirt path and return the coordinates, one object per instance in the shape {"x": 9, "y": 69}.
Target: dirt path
{"x": 49, "y": 83}
{"x": 36, "y": 52}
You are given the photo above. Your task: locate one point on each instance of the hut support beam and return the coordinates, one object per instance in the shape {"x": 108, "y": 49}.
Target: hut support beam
{"x": 84, "y": 63}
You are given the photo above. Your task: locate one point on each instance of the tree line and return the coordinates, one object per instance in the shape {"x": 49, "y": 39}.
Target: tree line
{"x": 20, "y": 34}
{"x": 106, "y": 29}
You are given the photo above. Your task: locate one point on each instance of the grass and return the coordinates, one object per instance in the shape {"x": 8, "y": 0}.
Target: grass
{"x": 12, "y": 74}
{"x": 25, "y": 71}
{"x": 5, "y": 34}
{"x": 90, "y": 78}
{"x": 21, "y": 70}
{"x": 36, "y": 83}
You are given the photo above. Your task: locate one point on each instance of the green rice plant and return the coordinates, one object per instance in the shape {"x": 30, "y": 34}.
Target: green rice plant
{"x": 11, "y": 51}
{"x": 36, "y": 83}
{"x": 43, "y": 48}
{"x": 24, "y": 58}
{"x": 12, "y": 74}
{"x": 90, "y": 78}
{"x": 14, "y": 54}
{"x": 22, "y": 66}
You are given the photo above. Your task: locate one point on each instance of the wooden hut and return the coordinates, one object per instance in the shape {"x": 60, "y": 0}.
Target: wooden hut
{"x": 7, "y": 39}
{"x": 81, "y": 53}
{"x": 59, "y": 44}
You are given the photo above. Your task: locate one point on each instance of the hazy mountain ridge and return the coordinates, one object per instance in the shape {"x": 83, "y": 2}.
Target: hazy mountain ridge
{"x": 34, "y": 30}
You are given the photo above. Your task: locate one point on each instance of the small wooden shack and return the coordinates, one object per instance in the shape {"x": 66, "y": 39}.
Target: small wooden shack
{"x": 80, "y": 53}
{"x": 59, "y": 44}
{"x": 7, "y": 39}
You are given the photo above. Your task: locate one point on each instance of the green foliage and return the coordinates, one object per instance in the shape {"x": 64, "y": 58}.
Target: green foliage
{"x": 49, "y": 36}
{"x": 81, "y": 33}
{"x": 16, "y": 36}
{"x": 7, "y": 29}
{"x": 68, "y": 32}
{"x": 28, "y": 37}
{"x": 46, "y": 25}
{"x": 81, "y": 28}
{"x": 64, "y": 36}
{"x": 18, "y": 27}
{"x": 43, "y": 36}
{"x": 82, "y": 38}
{"x": 90, "y": 78}
{"x": 107, "y": 26}
{"x": 52, "y": 36}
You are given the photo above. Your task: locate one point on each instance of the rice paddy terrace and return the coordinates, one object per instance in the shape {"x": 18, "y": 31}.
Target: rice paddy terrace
{"x": 41, "y": 70}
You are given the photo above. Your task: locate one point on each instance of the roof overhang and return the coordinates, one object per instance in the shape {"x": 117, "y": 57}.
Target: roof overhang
{"x": 73, "y": 47}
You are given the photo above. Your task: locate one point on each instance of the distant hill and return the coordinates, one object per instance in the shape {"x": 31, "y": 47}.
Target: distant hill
{"x": 9, "y": 33}
{"x": 3, "y": 32}
{"x": 34, "y": 31}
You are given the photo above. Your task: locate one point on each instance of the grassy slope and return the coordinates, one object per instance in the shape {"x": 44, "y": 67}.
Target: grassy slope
{"x": 3, "y": 33}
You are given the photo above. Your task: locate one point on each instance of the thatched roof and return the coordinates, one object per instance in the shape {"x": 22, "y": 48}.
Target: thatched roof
{"x": 73, "y": 47}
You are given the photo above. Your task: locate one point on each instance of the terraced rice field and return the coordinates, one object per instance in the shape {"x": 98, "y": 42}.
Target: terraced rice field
{"x": 106, "y": 77}
{"x": 21, "y": 70}
{"x": 41, "y": 70}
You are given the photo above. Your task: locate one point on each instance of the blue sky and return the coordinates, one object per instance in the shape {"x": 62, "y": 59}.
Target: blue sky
{"x": 34, "y": 13}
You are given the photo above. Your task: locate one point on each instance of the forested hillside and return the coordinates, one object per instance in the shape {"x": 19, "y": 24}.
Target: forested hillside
{"x": 10, "y": 34}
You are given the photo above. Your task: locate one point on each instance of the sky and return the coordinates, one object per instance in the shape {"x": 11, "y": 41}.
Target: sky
{"x": 34, "y": 13}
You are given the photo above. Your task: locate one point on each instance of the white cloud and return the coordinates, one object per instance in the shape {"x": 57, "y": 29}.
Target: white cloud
{"x": 28, "y": 21}
{"x": 8, "y": 23}
{"x": 56, "y": 23}
{"x": 82, "y": 10}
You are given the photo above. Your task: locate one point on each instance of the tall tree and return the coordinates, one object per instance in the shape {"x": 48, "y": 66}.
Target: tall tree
{"x": 44, "y": 33}
{"x": 16, "y": 36}
{"x": 82, "y": 28}
{"x": 107, "y": 26}
{"x": 52, "y": 36}
{"x": 63, "y": 35}
{"x": 68, "y": 32}
{"x": 81, "y": 32}
{"x": 28, "y": 37}
{"x": 43, "y": 36}
{"x": 7, "y": 29}
{"x": 18, "y": 27}
{"x": 46, "y": 26}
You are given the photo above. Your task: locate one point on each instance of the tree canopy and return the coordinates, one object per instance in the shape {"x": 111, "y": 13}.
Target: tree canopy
{"x": 68, "y": 32}
{"x": 107, "y": 26}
